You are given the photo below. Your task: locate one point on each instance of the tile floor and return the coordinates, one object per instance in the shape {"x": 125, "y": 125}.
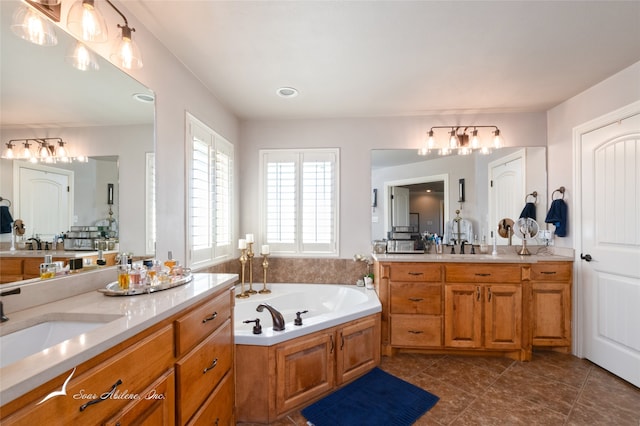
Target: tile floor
{"x": 553, "y": 389}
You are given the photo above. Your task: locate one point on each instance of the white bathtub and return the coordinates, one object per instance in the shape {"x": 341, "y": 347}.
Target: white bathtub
{"x": 328, "y": 305}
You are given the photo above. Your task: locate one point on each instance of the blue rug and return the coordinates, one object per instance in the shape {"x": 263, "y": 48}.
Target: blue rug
{"x": 377, "y": 398}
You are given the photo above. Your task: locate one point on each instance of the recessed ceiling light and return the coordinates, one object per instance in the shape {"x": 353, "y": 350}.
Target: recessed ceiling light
{"x": 287, "y": 92}
{"x": 144, "y": 97}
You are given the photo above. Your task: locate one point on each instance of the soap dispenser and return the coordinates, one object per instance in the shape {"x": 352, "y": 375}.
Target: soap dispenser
{"x": 48, "y": 268}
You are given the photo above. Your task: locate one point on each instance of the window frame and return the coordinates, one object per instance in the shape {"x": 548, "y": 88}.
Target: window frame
{"x": 300, "y": 156}
{"x": 216, "y": 251}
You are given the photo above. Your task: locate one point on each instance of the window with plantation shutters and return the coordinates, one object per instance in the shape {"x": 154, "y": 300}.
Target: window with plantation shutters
{"x": 209, "y": 194}
{"x": 300, "y": 201}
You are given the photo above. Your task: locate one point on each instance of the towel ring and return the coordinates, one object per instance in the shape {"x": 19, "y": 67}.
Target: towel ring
{"x": 534, "y": 194}
{"x": 560, "y": 190}
{"x": 4, "y": 199}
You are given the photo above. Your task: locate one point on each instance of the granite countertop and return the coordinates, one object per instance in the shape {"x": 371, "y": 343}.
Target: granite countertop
{"x": 127, "y": 316}
{"x": 505, "y": 255}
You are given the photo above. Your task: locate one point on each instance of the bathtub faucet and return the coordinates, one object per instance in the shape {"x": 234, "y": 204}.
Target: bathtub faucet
{"x": 278, "y": 319}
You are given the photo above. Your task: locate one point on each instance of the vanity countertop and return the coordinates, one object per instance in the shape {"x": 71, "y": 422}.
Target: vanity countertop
{"x": 472, "y": 258}
{"x": 134, "y": 314}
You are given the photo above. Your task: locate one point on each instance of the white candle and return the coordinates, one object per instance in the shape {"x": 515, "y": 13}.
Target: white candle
{"x": 242, "y": 244}
{"x": 250, "y": 238}
{"x": 265, "y": 249}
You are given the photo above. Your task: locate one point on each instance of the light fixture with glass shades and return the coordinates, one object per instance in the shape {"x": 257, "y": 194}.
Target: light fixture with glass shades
{"x": 87, "y": 22}
{"x": 82, "y": 58}
{"x": 44, "y": 150}
{"x": 462, "y": 140}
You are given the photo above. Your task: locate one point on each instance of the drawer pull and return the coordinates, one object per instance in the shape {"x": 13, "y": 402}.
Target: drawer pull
{"x": 548, "y": 272}
{"x": 416, "y": 299}
{"x": 332, "y": 345}
{"x": 415, "y": 274}
{"x": 482, "y": 275}
{"x": 102, "y": 397}
{"x": 212, "y": 317}
{"x": 211, "y": 367}
{"x": 415, "y": 332}
{"x": 477, "y": 293}
{"x": 489, "y": 294}
{"x": 341, "y": 341}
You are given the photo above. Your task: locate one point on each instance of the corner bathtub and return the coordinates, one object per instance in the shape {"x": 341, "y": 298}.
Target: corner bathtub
{"x": 328, "y": 305}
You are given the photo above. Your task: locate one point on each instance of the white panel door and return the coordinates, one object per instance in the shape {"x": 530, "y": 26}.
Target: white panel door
{"x": 44, "y": 201}
{"x": 400, "y": 206}
{"x": 610, "y": 234}
{"x": 506, "y": 191}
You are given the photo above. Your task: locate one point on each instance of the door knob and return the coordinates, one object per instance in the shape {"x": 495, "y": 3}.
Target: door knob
{"x": 586, "y": 257}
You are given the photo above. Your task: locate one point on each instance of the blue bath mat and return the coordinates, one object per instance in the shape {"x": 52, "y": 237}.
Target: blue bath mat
{"x": 377, "y": 398}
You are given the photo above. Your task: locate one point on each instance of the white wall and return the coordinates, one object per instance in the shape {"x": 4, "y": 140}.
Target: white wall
{"x": 356, "y": 137}
{"x": 609, "y": 95}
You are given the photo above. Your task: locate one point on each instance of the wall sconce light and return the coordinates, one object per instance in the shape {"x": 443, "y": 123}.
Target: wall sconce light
{"x": 87, "y": 22}
{"x": 461, "y": 139}
{"x": 49, "y": 150}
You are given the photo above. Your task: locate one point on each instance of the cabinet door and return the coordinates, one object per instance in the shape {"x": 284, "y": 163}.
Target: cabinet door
{"x": 503, "y": 316}
{"x": 463, "y": 316}
{"x": 155, "y": 407}
{"x": 551, "y": 314}
{"x": 304, "y": 370}
{"x": 358, "y": 348}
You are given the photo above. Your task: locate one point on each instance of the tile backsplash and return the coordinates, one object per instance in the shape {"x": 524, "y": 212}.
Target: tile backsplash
{"x": 298, "y": 270}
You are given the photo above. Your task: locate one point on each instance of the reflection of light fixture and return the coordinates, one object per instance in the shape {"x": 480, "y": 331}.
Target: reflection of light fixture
{"x": 47, "y": 151}
{"x": 82, "y": 58}
{"x": 87, "y": 22}
{"x": 8, "y": 152}
{"x": 29, "y": 25}
{"x": 462, "y": 139}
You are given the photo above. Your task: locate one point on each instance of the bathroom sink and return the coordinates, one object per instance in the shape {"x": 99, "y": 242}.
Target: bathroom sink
{"x": 44, "y": 332}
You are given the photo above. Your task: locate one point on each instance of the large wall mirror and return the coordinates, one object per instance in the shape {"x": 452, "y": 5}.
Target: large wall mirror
{"x": 421, "y": 194}
{"x": 103, "y": 114}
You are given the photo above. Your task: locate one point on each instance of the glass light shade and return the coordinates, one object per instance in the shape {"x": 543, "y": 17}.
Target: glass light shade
{"x": 498, "y": 142}
{"x": 126, "y": 53}
{"x": 44, "y": 151}
{"x": 85, "y": 21}
{"x": 60, "y": 151}
{"x": 82, "y": 58}
{"x": 475, "y": 140}
{"x": 26, "y": 151}
{"x": 431, "y": 142}
{"x": 29, "y": 25}
{"x": 453, "y": 140}
{"x": 8, "y": 152}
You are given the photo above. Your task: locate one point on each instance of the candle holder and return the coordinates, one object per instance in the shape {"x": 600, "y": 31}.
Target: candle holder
{"x": 243, "y": 262}
{"x": 250, "y": 260}
{"x": 265, "y": 266}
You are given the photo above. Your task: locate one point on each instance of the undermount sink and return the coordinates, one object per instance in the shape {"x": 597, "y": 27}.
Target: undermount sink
{"x": 30, "y": 337}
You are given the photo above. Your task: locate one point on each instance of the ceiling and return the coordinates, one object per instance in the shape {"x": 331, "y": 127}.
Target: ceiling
{"x": 392, "y": 58}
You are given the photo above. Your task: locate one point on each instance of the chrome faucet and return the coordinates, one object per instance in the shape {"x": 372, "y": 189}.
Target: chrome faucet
{"x": 3, "y": 317}
{"x": 276, "y": 316}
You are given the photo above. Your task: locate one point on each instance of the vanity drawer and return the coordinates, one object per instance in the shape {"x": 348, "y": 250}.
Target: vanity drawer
{"x": 201, "y": 322}
{"x": 416, "y": 330}
{"x": 219, "y": 407}
{"x": 551, "y": 271}
{"x": 416, "y": 298}
{"x": 200, "y": 371}
{"x": 415, "y": 272}
{"x": 129, "y": 372}
{"x": 482, "y": 273}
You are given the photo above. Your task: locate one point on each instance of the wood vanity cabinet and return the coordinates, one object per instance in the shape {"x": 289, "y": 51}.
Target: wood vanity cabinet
{"x": 550, "y": 303}
{"x": 304, "y": 369}
{"x": 483, "y": 307}
{"x": 502, "y": 308}
{"x": 181, "y": 370}
{"x": 10, "y": 269}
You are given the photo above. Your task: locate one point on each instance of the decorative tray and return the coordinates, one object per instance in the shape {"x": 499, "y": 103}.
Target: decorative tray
{"x": 113, "y": 289}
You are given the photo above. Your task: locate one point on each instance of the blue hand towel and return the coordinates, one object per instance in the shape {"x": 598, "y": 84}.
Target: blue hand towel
{"x": 5, "y": 220}
{"x": 557, "y": 216}
{"x": 529, "y": 211}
